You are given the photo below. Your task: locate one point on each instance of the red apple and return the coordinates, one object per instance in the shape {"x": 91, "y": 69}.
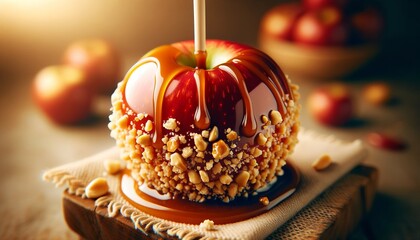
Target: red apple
{"x": 99, "y": 59}
{"x": 317, "y": 4}
{"x": 279, "y": 21}
{"x": 368, "y": 24}
{"x": 62, "y": 93}
{"x": 223, "y": 98}
{"x": 237, "y": 107}
{"x": 331, "y": 104}
{"x": 323, "y": 26}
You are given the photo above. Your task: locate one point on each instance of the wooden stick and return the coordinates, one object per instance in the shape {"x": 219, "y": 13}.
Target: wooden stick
{"x": 200, "y": 25}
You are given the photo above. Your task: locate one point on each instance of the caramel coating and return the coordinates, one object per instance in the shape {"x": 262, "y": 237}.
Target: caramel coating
{"x": 184, "y": 170}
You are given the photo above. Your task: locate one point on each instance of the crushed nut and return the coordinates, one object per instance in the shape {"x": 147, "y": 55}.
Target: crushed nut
{"x": 214, "y": 134}
{"x": 322, "y": 162}
{"x": 172, "y": 144}
{"x": 232, "y": 135}
{"x": 233, "y": 190}
{"x": 275, "y": 117}
{"x": 204, "y": 177}
{"x": 207, "y": 225}
{"x": 261, "y": 139}
{"x": 264, "y": 119}
{"x": 217, "y": 168}
{"x": 264, "y": 201}
{"x": 242, "y": 178}
{"x": 200, "y": 143}
{"x": 187, "y": 152}
{"x": 97, "y": 188}
{"x": 220, "y": 150}
{"x": 149, "y": 126}
{"x": 225, "y": 179}
{"x": 149, "y": 153}
{"x": 144, "y": 140}
{"x": 170, "y": 124}
{"x": 178, "y": 161}
{"x": 256, "y": 152}
{"x": 194, "y": 177}
{"x": 112, "y": 166}
{"x": 123, "y": 122}
{"x": 205, "y": 133}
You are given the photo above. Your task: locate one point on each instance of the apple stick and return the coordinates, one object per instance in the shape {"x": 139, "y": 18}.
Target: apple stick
{"x": 200, "y": 32}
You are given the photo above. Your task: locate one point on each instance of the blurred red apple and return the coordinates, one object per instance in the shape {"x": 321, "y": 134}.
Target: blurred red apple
{"x": 368, "y": 24}
{"x": 279, "y": 21}
{"x": 62, "y": 93}
{"x": 99, "y": 59}
{"x": 331, "y": 104}
{"x": 316, "y": 4}
{"x": 321, "y": 27}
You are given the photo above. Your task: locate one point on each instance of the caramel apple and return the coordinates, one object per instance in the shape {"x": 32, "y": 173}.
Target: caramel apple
{"x": 217, "y": 129}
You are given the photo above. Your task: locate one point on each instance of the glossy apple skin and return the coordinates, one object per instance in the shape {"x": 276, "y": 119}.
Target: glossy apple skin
{"x": 331, "y": 105}
{"x": 279, "y": 22}
{"x": 323, "y": 26}
{"x": 62, "y": 93}
{"x": 100, "y": 61}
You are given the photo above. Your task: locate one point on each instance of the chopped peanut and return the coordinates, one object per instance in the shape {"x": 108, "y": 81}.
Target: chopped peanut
{"x": 232, "y": 135}
{"x": 242, "y": 178}
{"x": 214, "y": 134}
{"x": 149, "y": 126}
{"x": 97, "y": 188}
{"x": 261, "y": 139}
{"x": 178, "y": 161}
{"x": 220, "y": 150}
{"x": 207, "y": 225}
{"x": 194, "y": 177}
{"x": 322, "y": 162}
{"x": 264, "y": 201}
{"x": 144, "y": 140}
{"x": 112, "y": 166}
{"x": 275, "y": 117}
{"x": 172, "y": 144}
{"x": 199, "y": 142}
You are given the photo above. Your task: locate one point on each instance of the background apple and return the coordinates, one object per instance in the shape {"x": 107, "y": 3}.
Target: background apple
{"x": 317, "y": 4}
{"x": 331, "y": 104}
{"x": 279, "y": 21}
{"x": 324, "y": 22}
{"x": 99, "y": 59}
{"x": 368, "y": 24}
{"x": 323, "y": 26}
{"x": 62, "y": 93}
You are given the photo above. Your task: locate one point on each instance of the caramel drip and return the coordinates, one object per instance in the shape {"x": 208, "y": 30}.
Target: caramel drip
{"x": 268, "y": 65}
{"x": 200, "y": 59}
{"x": 201, "y": 116}
{"x": 248, "y": 123}
{"x": 270, "y": 84}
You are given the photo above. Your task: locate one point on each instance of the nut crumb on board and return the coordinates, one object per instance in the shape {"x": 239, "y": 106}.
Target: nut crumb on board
{"x": 207, "y": 225}
{"x": 321, "y": 163}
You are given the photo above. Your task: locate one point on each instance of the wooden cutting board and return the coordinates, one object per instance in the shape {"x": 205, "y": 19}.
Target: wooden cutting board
{"x": 333, "y": 215}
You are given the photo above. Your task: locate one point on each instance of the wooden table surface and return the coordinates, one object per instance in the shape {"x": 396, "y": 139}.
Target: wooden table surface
{"x": 30, "y": 144}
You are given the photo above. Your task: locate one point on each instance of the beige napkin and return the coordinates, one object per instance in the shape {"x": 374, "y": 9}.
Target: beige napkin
{"x": 345, "y": 156}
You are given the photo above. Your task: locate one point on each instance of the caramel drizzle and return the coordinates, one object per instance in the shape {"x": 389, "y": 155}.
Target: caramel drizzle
{"x": 165, "y": 59}
{"x": 248, "y": 123}
{"x": 202, "y": 115}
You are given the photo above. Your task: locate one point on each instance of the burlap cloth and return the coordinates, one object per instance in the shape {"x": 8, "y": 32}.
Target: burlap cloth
{"x": 345, "y": 156}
